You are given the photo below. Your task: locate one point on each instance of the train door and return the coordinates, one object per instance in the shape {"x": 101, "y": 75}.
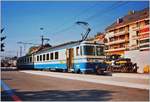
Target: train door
{"x": 69, "y": 58}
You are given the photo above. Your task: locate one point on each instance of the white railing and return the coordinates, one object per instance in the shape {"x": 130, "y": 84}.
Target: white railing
{"x": 116, "y": 49}
{"x": 117, "y": 41}
{"x": 121, "y": 33}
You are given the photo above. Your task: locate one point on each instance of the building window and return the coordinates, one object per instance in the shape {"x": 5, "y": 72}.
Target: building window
{"x": 138, "y": 24}
{"x": 121, "y": 29}
{"x": 40, "y": 57}
{"x": 143, "y": 46}
{"x": 122, "y": 37}
{"x": 52, "y": 56}
{"x": 43, "y": 57}
{"x": 56, "y": 55}
{"x": 146, "y": 22}
{"x": 145, "y": 41}
{"x": 77, "y": 51}
{"x": 47, "y": 56}
{"x": 37, "y": 58}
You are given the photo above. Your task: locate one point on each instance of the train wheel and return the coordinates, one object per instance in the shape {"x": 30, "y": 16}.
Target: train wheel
{"x": 99, "y": 71}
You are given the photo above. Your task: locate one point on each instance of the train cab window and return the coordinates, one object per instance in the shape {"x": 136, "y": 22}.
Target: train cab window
{"x": 52, "y": 56}
{"x": 99, "y": 51}
{"x": 47, "y": 56}
{"x": 40, "y": 57}
{"x": 88, "y": 50}
{"x": 37, "y": 58}
{"x": 77, "y": 51}
{"x": 56, "y": 55}
{"x": 43, "y": 57}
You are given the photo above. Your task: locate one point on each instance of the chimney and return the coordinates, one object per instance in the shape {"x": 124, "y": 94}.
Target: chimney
{"x": 119, "y": 20}
{"x": 131, "y": 12}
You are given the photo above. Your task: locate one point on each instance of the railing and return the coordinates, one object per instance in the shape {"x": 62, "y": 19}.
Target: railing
{"x": 121, "y": 33}
{"x": 116, "y": 49}
{"x": 110, "y": 34}
{"x": 117, "y": 41}
{"x": 135, "y": 28}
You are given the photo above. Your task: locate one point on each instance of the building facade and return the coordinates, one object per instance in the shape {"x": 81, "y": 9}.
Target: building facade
{"x": 130, "y": 32}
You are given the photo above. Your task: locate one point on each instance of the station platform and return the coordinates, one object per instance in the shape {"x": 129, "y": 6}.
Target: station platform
{"x": 132, "y": 81}
{"x": 132, "y": 75}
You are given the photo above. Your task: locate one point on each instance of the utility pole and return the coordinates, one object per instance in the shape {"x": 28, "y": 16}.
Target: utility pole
{"x": 20, "y": 51}
{"x": 24, "y": 45}
{"x": 2, "y": 39}
{"x": 42, "y": 37}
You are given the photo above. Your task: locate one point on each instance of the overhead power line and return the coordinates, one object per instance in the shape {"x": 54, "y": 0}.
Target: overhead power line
{"x": 106, "y": 10}
{"x": 65, "y": 29}
{"x": 110, "y": 11}
{"x": 74, "y": 18}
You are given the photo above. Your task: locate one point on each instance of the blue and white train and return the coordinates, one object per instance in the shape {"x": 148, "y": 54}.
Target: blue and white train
{"x": 75, "y": 56}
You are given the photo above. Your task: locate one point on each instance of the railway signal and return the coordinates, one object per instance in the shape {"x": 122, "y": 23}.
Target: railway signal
{"x": 2, "y": 39}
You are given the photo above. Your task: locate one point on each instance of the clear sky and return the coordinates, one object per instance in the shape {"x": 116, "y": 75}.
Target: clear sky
{"x": 22, "y": 20}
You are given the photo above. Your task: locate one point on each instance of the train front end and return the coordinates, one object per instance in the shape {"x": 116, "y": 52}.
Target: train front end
{"x": 92, "y": 58}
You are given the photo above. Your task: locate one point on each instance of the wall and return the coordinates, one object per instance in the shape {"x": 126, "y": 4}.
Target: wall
{"x": 142, "y": 58}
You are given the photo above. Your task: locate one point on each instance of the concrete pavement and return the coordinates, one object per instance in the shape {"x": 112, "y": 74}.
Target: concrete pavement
{"x": 31, "y": 87}
{"x": 108, "y": 80}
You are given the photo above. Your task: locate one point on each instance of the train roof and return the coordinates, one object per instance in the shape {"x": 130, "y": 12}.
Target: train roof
{"x": 71, "y": 43}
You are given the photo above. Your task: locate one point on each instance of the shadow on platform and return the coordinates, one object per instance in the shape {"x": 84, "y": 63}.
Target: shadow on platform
{"x": 57, "y": 95}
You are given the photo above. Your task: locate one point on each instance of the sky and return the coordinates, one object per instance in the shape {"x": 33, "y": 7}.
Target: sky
{"x": 22, "y": 20}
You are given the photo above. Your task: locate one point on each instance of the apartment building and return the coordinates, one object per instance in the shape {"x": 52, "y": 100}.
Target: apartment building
{"x": 130, "y": 32}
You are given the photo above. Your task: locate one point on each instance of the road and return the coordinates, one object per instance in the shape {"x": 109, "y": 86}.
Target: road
{"x": 29, "y": 87}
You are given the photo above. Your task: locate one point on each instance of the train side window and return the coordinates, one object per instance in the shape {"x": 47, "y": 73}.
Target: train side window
{"x": 30, "y": 59}
{"x": 26, "y": 60}
{"x": 81, "y": 50}
{"x": 23, "y": 60}
{"x": 43, "y": 57}
{"x": 77, "y": 51}
{"x": 37, "y": 58}
{"x": 47, "y": 56}
{"x": 56, "y": 55}
{"x": 40, "y": 57}
{"x": 51, "y": 56}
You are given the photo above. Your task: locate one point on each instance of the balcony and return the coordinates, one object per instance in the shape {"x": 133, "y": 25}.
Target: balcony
{"x": 116, "y": 49}
{"x": 146, "y": 43}
{"x": 109, "y": 35}
{"x": 121, "y": 33}
{"x": 135, "y": 28}
{"x": 117, "y": 41}
{"x": 139, "y": 28}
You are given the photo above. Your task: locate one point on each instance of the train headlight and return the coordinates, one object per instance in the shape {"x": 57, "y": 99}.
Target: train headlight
{"x": 90, "y": 60}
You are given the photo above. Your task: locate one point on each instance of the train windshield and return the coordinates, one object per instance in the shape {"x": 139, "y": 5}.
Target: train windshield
{"x": 99, "y": 50}
{"x": 89, "y": 50}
